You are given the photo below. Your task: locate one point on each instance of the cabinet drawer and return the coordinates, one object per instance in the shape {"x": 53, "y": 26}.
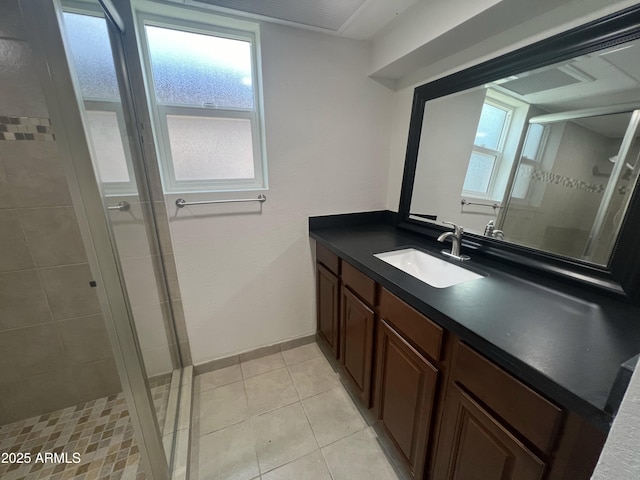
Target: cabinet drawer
{"x": 328, "y": 258}
{"x": 359, "y": 283}
{"x": 415, "y": 327}
{"x": 526, "y": 411}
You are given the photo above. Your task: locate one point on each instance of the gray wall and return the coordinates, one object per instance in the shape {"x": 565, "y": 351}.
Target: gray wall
{"x": 54, "y": 350}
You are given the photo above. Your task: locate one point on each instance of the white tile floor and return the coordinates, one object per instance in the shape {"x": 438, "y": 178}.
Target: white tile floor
{"x": 280, "y": 417}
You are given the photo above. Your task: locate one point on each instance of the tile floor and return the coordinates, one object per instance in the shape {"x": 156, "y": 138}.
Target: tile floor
{"x": 99, "y": 430}
{"x": 160, "y": 393}
{"x": 282, "y": 416}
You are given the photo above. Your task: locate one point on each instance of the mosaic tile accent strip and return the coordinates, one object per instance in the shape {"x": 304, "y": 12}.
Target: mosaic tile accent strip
{"x": 26, "y": 128}
{"x": 567, "y": 182}
{"x": 93, "y": 441}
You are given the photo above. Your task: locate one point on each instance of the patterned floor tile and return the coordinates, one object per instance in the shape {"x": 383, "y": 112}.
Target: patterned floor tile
{"x": 93, "y": 441}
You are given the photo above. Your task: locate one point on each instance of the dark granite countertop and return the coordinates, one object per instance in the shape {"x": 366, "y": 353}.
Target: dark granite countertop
{"x": 564, "y": 341}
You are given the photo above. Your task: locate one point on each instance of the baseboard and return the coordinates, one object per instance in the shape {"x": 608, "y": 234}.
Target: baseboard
{"x": 260, "y": 352}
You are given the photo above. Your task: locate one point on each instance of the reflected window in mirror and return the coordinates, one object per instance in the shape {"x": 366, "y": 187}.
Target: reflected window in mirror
{"x": 534, "y": 143}
{"x": 531, "y": 153}
{"x": 495, "y": 145}
{"x": 487, "y": 149}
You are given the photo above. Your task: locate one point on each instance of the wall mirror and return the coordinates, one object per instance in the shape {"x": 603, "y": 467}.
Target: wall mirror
{"x": 537, "y": 153}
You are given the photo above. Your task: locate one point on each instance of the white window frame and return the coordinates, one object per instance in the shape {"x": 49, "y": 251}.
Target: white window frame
{"x": 219, "y": 27}
{"x": 531, "y": 162}
{"x": 488, "y": 151}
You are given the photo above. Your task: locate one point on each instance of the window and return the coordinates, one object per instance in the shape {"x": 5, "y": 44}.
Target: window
{"x": 106, "y": 132}
{"x": 205, "y": 90}
{"x": 89, "y": 44}
{"x": 487, "y": 149}
{"x": 529, "y": 160}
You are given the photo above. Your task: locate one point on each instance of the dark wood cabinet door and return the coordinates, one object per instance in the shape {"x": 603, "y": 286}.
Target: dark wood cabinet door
{"x": 356, "y": 342}
{"x": 475, "y": 446}
{"x": 328, "y": 298}
{"x": 406, "y": 387}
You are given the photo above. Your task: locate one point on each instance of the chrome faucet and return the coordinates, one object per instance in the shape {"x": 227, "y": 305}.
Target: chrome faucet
{"x": 491, "y": 231}
{"x": 456, "y": 242}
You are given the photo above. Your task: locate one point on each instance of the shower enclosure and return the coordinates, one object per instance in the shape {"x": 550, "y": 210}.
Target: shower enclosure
{"x": 569, "y": 193}
{"x": 95, "y": 133}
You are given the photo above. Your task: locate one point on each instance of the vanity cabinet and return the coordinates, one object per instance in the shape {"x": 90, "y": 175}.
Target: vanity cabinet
{"x": 405, "y": 396}
{"x": 447, "y": 411}
{"x": 493, "y": 426}
{"x": 409, "y": 347}
{"x": 357, "y": 319}
{"x": 328, "y": 298}
{"x": 474, "y": 445}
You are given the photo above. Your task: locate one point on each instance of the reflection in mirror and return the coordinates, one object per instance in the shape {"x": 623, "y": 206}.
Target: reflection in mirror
{"x": 546, "y": 159}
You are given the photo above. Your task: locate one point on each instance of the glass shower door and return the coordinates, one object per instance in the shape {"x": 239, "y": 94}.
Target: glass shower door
{"x": 133, "y": 217}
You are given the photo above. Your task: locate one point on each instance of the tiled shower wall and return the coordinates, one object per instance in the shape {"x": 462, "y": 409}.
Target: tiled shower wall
{"x": 54, "y": 350}
{"x": 571, "y": 193}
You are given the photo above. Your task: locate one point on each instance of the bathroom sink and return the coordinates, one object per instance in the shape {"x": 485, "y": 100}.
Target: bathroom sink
{"x": 427, "y": 268}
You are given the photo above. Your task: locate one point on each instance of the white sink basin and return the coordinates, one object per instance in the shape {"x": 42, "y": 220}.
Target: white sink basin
{"x": 431, "y": 270}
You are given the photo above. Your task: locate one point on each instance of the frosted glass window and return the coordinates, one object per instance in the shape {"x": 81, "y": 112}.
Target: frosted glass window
{"x": 210, "y": 148}
{"x": 91, "y": 51}
{"x": 479, "y": 173}
{"x": 533, "y": 141}
{"x": 490, "y": 127}
{"x": 206, "y": 103}
{"x": 203, "y": 70}
{"x": 105, "y": 137}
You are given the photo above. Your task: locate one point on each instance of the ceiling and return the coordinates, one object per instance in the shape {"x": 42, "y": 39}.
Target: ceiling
{"x": 613, "y": 76}
{"x": 358, "y": 19}
{"x": 603, "y": 78}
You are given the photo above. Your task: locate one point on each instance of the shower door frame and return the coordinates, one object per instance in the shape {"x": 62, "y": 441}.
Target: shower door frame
{"x": 42, "y": 20}
{"x": 614, "y": 178}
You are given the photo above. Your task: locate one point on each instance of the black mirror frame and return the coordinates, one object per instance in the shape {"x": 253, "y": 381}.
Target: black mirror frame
{"x": 621, "y": 277}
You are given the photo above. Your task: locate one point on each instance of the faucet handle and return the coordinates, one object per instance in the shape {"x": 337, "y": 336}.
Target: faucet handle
{"x": 457, "y": 230}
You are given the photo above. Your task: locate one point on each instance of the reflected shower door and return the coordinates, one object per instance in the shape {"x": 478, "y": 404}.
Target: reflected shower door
{"x": 566, "y": 195}
{"x": 617, "y": 195}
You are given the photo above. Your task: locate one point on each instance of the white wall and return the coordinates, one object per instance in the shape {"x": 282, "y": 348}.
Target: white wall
{"x": 620, "y": 459}
{"x": 448, "y": 132}
{"x": 419, "y": 25}
{"x": 247, "y": 278}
